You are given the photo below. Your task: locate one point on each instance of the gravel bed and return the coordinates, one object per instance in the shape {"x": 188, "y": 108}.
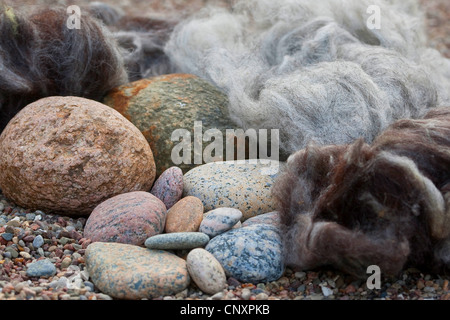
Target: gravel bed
{"x": 27, "y": 236}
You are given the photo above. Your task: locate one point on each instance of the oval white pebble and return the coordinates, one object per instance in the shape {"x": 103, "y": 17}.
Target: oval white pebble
{"x": 206, "y": 271}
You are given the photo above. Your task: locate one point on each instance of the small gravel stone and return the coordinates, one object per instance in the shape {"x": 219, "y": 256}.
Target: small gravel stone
{"x": 246, "y": 294}
{"x": 300, "y": 275}
{"x": 218, "y": 296}
{"x": 7, "y": 236}
{"x": 262, "y": 296}
{"x": 326, "y": 291}
{"x": 66, "y": 262}
{"x": 38, "y": 241}
{"x": 41, "y": 268}
{"x": 25, "y": 255}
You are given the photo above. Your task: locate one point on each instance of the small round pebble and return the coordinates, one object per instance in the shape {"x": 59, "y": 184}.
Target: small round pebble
{"x": 206, "y": 271}
{"x": 177, "y": 241}
{"x": 7, "y": 236}
{"x": 185, "y": 216}
{"x": 169, "y": 186}
{"x": 38, "y": 241}
{"x": 219, "y": 220}
{"x": 41, "y": 268}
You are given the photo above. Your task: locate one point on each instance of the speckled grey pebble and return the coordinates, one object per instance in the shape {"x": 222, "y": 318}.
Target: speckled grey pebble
{"x": 219, "y": 220}
{"x": 41, "y": 268}
{"x": 244, "y": 186}
{"x": 177, "y": 241}
{"x": 249, "y": 254}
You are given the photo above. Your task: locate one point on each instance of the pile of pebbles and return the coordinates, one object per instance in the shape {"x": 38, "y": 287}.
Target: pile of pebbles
{"x": 28, "y": 237}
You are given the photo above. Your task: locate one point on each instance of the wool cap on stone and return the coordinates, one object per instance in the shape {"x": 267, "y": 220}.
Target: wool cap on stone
{"x": 68, "y": 154}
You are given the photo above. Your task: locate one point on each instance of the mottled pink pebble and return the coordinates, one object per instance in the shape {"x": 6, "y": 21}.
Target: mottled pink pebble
{"x": 128, "y": 218}
{"x": 185, "y": 216}
{"x": 169, "y": 186}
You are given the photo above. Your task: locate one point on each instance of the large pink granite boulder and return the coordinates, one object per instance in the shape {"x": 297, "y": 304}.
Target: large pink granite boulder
{"x": 68, "y": 154}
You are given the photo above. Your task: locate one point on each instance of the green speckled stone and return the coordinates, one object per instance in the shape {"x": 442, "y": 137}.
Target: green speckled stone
{"x": 245, "y": 186}
{"x": 177, "y": 241}
{"x": 159, "y": 105}
{"x": 126, "y": 271}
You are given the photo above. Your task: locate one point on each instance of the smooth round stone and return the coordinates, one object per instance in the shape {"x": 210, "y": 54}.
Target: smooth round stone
{"x": 69, "y": 154}
{"x": 126, "y": 271}
{"x": 41, "y": 268}
{"x": 206, "y": 271}
{"x": 219, "y": 220}
{"x": 127, "y": 218}
{"x": 169, "y": 186}
{"x": 272, "y": 218}
{"x": 230, "y": 184}
{"x": 249, "y": 254}
{"x": 160, "y": 105}
{"x": 185, "y": 216}
{"x": 177, "y": 241}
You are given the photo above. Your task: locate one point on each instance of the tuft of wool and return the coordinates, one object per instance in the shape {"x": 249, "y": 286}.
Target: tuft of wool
{"x": 40, "y": 56}
{"x": 385, "y": 204}
{"x": 141, "y": 40}
{"x": 314, "y": 69}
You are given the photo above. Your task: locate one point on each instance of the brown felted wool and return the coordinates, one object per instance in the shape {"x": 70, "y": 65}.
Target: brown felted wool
{"x": 384, "y": 204}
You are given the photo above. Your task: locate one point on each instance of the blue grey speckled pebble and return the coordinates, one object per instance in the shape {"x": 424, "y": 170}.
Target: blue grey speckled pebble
{"x": 244, "y": 186}
{"x": 219, "y": 220}
{"x": 249, "y": 254}
{"x": 41, "y": 268}
{"x": 177, "y": 241}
